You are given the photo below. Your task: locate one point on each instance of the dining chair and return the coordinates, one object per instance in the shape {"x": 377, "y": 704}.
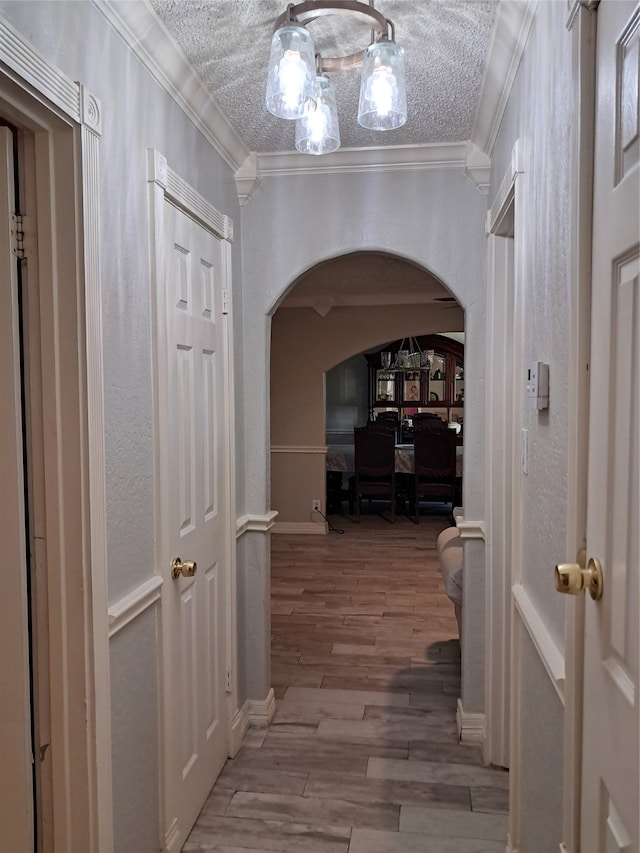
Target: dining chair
{"x": 434, "y": 466}
{"x": 427, "y": 420}
{"x": 375, "y": 474}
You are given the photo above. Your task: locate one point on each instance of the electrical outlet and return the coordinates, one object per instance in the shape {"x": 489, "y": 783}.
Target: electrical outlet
{"x": 315, "y": 506}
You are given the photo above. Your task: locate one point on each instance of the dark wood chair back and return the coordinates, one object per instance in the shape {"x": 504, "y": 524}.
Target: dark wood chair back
{"x": 434, "y": 466}
{"x": 375, "y": 473}
{"x": 427, "y": 420}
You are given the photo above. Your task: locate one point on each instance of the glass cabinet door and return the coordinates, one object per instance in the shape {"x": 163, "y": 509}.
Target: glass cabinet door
{"x": 385, "y": 386}
{"x": 412, "y": 387}
{"x": 458, "y": 394}
{"x": 437, "y": 379}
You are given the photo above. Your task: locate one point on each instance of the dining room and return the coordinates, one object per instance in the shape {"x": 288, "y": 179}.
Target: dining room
{"x": 336, "y": 315}
{"x": 407, "y": 387}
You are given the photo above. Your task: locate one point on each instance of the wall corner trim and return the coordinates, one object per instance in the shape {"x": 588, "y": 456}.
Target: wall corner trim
{"x": 471, "y": 726}
{"x": 248, "y": 178}
{"x": 256, "y": 523}
{"x": 262, "y": 711}
{"x": 470, "y": 529}
{"x": 478, "y": 167}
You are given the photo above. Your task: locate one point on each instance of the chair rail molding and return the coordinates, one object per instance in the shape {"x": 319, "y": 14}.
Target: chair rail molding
{"x": 261, "y": 523}
{"x": 134, "y": 603}
{"x": 550, "y": 655}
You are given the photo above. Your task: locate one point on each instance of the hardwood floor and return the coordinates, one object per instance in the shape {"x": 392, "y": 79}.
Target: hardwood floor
{"x": 362, "y": 755}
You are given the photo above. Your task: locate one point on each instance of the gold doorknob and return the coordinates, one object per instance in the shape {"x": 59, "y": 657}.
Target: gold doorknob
{"x": 186, "y": 569}
{"x": 572, "y": 578}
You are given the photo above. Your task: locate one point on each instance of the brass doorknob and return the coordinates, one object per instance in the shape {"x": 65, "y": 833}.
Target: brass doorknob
{"x": 572, "y": 578}
{"x": 186, "y": 569}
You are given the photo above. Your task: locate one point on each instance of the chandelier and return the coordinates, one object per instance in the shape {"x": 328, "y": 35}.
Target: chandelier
{"x": 409, "y": 355}
{"x": 299, "y": 89}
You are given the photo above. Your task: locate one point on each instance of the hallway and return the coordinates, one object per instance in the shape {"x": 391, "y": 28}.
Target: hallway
{"x": 362, "y": 755}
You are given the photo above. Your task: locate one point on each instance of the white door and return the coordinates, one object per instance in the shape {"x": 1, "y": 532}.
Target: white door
{"x": 611, "y": 758}
{"x": 16, "y": 776}
{"x": 193, "y": 493}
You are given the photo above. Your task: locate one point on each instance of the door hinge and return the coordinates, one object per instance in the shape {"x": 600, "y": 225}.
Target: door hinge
{"x": 225, "y": 301}
{"x": 20, "y": 245}
{"x": 17, "y": 235}
{"x": 228, "y": 681}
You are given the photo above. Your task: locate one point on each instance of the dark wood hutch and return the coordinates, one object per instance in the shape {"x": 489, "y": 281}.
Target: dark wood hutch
{"x": 408, "y": 390}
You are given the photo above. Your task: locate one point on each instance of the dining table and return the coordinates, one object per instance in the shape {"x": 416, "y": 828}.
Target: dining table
{"x": 341, "y": 457}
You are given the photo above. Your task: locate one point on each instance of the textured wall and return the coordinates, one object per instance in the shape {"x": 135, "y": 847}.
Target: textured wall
{"x": 136, "y": 114}
{"x": 434, "y": 218}
{"x": 294, "y": 222}
{"x": 539, "y": 114}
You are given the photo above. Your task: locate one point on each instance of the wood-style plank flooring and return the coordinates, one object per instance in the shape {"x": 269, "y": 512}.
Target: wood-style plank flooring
{"x": 362, "y": 755}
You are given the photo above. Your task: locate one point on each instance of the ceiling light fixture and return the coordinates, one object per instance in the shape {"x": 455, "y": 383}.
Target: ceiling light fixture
{"x": 298, "y": 88}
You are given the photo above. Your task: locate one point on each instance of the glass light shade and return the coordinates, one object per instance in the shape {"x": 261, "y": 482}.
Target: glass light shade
{"x": 317, "y": 132}
{"x": 383, "y": 94}
{"x": 292, "y": 73}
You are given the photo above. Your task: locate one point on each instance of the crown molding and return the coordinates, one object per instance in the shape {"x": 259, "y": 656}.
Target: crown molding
{"x": 141, "y": 30}
{"x": 510, "y": 33}
{"x": 392, "y": 158}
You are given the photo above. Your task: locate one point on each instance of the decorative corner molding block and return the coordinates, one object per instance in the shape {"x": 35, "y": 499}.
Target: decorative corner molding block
{"x": 90, "y": 110}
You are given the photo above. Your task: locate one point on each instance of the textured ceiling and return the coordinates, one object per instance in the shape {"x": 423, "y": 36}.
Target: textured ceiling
{"x": 445, "y": 43}
{"x": 367, "y": 278}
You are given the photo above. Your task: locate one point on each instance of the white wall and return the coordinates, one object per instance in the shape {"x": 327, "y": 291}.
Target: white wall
{"x": 539, "y": 114}
{"x": 434, "y": 218}
{"x": 136, "y": 114}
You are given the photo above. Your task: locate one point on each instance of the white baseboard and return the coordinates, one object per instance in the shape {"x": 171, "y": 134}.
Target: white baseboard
{"x": 510, "y": 848}
{"x": 238, "y": 729}
{"x": 471, "y": 727}
{"x": 261, "y": 712}
{"x": 295, "y": 527}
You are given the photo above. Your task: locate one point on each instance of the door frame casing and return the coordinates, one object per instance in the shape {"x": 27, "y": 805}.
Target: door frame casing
{"x": 165, "y": 185}
{"x": 65, "y": 121}
{"x": 582, "y": 23}
{"x": 499, "y": 434}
